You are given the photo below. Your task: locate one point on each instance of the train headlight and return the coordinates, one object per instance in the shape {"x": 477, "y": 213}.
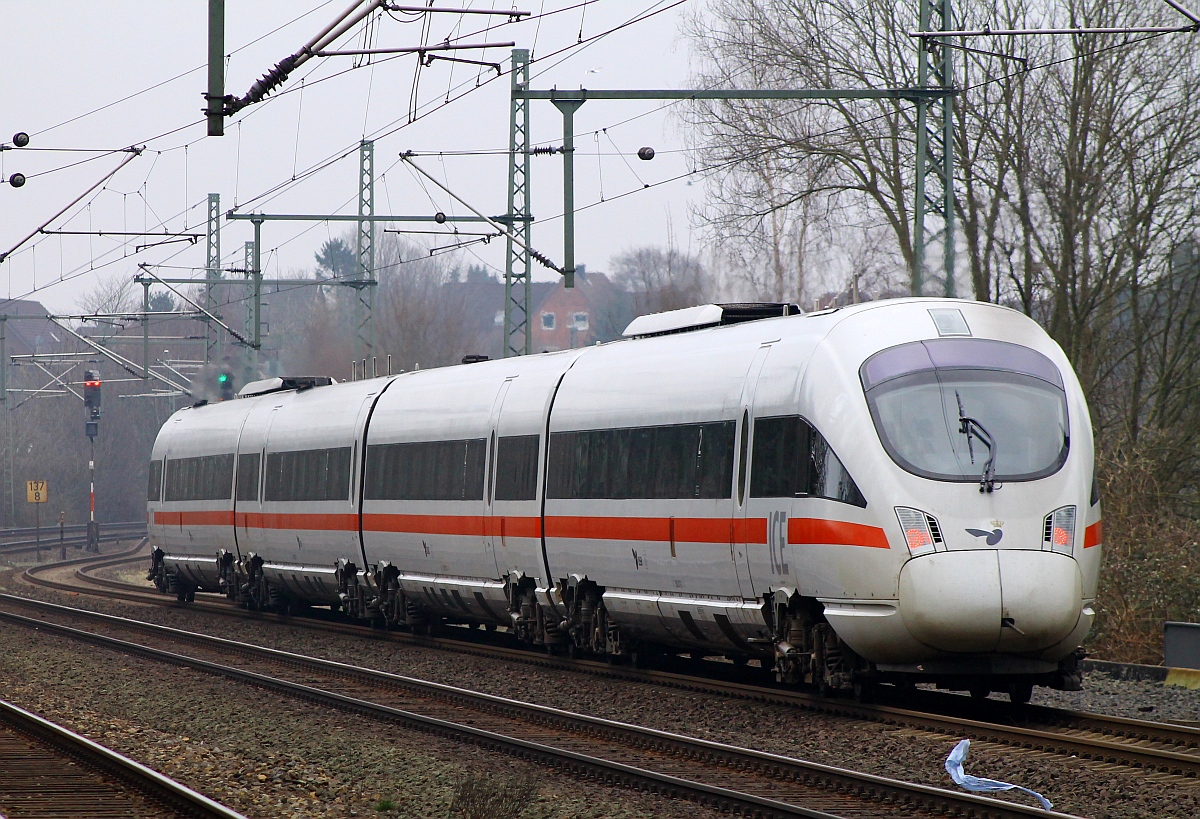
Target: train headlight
{"x": 1058, "y": 530}
{"x": 921, "y": 531}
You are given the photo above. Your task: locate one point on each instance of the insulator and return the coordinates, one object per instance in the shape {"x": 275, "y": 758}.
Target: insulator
{"x": 265, "y": 84}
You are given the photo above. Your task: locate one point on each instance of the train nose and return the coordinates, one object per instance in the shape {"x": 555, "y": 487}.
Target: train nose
{"x": 991, "y": 600}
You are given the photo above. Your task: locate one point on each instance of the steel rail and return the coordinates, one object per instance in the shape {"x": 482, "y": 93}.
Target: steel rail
{"x": 1173, "y": 759}
{"x": 110, "y": 764}
{"x": 114, "y": 558}
{"x": 25, "y": 531}
{"x": 20, "y": 531}
{"x": 109, "y": 532}
{"x": 771, "y": 766}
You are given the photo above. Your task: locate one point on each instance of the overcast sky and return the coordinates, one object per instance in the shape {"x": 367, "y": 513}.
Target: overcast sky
{"x": 75, "y": 76}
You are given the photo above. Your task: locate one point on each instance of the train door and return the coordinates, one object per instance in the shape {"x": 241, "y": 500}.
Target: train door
{"x": 248, "y": 516}
{"x": 493, "y": 531}
{"x": 748, "y": 528}
{"x": 247, "y": 481}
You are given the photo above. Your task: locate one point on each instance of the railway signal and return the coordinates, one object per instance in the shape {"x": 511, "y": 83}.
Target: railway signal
{"x": 91, "y": 428}
{"x": 91, "y": 394}
{"x": 225, "y": 385}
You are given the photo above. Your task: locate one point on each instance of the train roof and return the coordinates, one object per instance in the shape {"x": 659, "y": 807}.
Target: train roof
{"x": 654, "y": 328}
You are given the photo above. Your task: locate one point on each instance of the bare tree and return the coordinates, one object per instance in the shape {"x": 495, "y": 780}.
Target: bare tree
{"x": 426, "y": 320}
{"x": 782, "y": 153}
{"x": 115, "y": 294}
{"x": 662, "y": 279}
{"x": 768, "y": 235}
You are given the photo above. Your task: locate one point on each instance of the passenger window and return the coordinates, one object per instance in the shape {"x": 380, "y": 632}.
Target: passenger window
{"x": 426, "y": 470}
{"x": 206, "y": 477}
{"x": 791, "y": 459}
{"x": 247, "y": 477}
{"x": 517, "y": 468}
{"x": 154, "y": 488}
{"x": 664, "y": 462}
{"x": 829, "y": 478}
{"x": 308, "y": 475}
{"x": 780, "y": 463}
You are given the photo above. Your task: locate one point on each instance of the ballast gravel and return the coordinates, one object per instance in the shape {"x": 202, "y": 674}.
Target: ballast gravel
{"x": 1135, "y": 699}
{"x": 269, "y": 756}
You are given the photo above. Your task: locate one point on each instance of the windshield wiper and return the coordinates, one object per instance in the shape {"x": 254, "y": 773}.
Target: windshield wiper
{"x": 970, "y": 427}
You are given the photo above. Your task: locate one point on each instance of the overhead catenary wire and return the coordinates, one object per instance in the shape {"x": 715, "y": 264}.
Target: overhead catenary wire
{"x": 697, "y": 170}
{"x": 656, "y": 183}
{"x": 258, "y": 39}
{"x": 503, "y": 230}
{"x": 133, "y": 154}
{"x": 277, "y": 75}
{"x": 401, "y": 123}
{"x": 180, "y": 75}
{"x": 768, "y": 149}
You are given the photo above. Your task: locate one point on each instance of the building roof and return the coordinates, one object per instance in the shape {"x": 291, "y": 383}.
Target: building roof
{"x": 28, "y": 328}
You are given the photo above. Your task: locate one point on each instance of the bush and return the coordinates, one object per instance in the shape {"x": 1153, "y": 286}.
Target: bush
{"x": 1151, "y": 542}
{"x": 493, "y": 796}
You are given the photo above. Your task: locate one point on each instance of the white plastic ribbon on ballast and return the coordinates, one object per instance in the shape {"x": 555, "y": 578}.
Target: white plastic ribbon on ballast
{"x": 954, "y": 767}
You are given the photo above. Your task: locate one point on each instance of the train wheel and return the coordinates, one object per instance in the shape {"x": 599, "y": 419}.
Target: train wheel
{"x": 1019, "y": 693}
{"x": 980, "y": 692}
{"x": 865, "y": 690}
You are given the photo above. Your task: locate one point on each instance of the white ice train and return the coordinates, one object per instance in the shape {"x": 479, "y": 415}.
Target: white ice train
{"x": 900, "y": 490}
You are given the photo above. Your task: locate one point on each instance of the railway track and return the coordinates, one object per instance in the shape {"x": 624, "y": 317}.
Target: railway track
{"x": 1140, "y": 744}
{"x": 19, "y": 541}
{"x": 729, "y": 778}
{"x": 50, "y": 771}
{"x": 74, "y": 528}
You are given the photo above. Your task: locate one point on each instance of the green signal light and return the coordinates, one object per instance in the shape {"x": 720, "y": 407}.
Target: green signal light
{"x": 223, "y": 377}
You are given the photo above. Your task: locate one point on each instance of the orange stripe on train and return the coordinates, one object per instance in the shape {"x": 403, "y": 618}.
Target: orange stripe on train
{"x": 477, "y": 525}
{"x": 664, "y": 530}
{"x": 836, "y": 532}
{"x": 198, "y": 518}
{"x": 1093, "y": 535}
{"x": 678, "y": 530}
{"x": 313, "y": 522}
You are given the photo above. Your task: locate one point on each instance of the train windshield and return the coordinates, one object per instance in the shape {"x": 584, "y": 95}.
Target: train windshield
{"x": 961, "y": 409}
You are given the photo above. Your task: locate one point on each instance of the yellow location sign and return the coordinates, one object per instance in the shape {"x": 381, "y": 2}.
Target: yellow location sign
{"x": 37, "y": 491}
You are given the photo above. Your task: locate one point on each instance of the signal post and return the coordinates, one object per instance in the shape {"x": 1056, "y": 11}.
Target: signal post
{"x": 37, "y": 493}
{"x": 91, "y": 404}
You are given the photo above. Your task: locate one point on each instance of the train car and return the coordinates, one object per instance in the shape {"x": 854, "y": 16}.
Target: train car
{"x": 894, "y": 491}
